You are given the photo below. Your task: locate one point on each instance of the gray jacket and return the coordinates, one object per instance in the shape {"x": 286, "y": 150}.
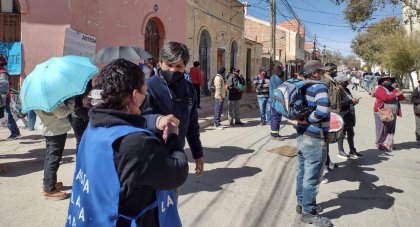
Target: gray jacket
{"x": 56, "y": 122}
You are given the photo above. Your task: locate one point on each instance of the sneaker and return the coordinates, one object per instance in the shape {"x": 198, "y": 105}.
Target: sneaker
{"x": 239, "y": 123}
{"x": 315, "y": 219}
{"x": 263, "y": 123}
{"x": 324, "y": 180}
{"x": 218, "y": 127}
{"x": 382, "y": 147}
{"x": 318, "y": 209}
{"x": 343, "y": 155}
{"x": 278, "y": 138}
{"x": 13, "y": 137}
{"x": 332, "y": 166}
{"x": 55, "y": 195}
{"x": 354, "y": 154}
{"x": 231, "y": 123}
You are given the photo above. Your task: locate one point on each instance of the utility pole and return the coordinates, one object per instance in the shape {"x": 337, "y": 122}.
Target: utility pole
{"x": 314, "y": 49}
{"x": 273, "y": 34}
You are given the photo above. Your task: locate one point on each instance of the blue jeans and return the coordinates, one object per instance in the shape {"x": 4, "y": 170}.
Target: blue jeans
{"x": 11, "y": 123}
{"x": 311, "y": 156}
{"x": 31, "y": 120}
{"x": 264, "y": 109}
{"x": 218, "y": 108}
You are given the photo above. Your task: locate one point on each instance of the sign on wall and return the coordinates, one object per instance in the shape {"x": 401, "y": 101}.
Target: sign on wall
{"x": 77, "y": 43}
{"x": 13, "y": 54}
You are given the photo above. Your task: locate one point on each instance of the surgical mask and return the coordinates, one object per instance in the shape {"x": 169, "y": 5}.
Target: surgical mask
{"x": 388, "y": 84}
{"x": 172, "y": 77}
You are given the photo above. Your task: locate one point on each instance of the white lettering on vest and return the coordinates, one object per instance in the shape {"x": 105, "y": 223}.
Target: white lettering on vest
{"x": 82, "y": 214}
{"x": 169, "y": 202}
{"x": 71, "y": 198}
{"x": 86, "y": 187}
{"x": 69, "y": 219}
{"x": 78, "y": 201}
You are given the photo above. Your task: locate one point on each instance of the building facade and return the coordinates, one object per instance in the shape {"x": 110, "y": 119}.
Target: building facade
{"x": 216, "y": 36}
{"x": 289, "y": 44}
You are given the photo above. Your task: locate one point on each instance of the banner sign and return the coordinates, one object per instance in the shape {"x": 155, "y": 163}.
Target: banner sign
{"x": 13, "y": 53}
{"x": 77, "y": 43}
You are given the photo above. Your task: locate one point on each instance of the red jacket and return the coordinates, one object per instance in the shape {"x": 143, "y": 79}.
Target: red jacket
{"x": 195, "y": 76}
{"x": 382, "y": 97}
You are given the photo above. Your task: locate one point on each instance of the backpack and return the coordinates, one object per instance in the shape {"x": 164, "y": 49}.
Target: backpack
{"x": 210, "y": 84}
{"x": 334, "y": 94}
{"x": 289, "y": 98}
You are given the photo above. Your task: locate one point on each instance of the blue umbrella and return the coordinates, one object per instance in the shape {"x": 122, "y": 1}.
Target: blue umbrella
{"x": 54, "y": 81}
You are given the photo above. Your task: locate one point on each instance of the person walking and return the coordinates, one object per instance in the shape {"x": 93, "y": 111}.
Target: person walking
{"x": 170, "y": 93}
{"x": 415, "y": 99}
{"x": 234, "y": 86}
{"x": 54, "y": 127}
{"x": 5, "y": 79}
{"x": 348, "y": 113}
{"x": 387, "y": 97}
{"x": 275, "y": 81}
{"x": 196, "y": 77}
{"x": 219, "y": 97}
{"x": 261, "y": 83}
{"x": 355, "y": 82}
{"x": 117, "y": 153}
{"x": 312, "y": 147}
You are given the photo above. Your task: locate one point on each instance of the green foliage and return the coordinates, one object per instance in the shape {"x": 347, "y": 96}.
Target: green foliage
{"x": 360, "y": 12}
{"x": 370, "y": 45}
{"x": 402, "y": 54}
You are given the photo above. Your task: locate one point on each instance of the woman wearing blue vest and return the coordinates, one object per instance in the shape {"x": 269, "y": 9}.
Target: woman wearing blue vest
{"x": 124, "y": 174}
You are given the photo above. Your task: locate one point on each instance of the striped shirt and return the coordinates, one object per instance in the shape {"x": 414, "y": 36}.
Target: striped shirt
{"x": 317, "y": 99}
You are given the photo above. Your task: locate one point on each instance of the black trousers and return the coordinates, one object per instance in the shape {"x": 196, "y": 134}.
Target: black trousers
{"x": 197, "y": 91}
{"x": 349, "y": 131}
{"x": 54, "y": 152}
{"x": 79, "y": 126}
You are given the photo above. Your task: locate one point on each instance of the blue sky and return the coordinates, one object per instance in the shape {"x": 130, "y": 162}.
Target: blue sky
{"x": 335, "y": 34}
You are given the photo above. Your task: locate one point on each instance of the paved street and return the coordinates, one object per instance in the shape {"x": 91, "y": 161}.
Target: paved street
{"x": 244, "y": 185}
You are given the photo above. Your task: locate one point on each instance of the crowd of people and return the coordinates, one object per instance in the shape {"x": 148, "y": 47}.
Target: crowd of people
{"x": 132, "y": 122}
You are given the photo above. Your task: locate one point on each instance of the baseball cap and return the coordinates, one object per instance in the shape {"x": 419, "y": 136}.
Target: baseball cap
{"x": 313, "y": 65}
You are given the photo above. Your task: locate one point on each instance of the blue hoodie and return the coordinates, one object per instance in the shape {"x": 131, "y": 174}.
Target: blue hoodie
{"x": 182, "y": 104}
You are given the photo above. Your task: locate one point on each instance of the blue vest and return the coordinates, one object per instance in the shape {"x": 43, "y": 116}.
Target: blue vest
{"x": 96, "y": 186}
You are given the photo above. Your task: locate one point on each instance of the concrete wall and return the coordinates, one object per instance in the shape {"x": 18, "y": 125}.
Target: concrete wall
{"x": 42, "y": 30}
{"x": 124, "y": 22}
{"x": 224, "y": 24}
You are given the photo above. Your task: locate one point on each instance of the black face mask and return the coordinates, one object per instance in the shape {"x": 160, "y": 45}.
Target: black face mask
{"x": 388, "y": 84}
{"x": 333, "y": 74}
{"x": 172, "y": 77}
{"x": 344, "y": 84}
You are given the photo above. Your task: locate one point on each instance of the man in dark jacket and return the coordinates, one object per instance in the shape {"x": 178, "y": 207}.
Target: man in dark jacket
{"x": 235, "y": 86}
{"x": 415, "y": 99}
{"x": 170, "y": 93}
{"x": 348, "y": 114}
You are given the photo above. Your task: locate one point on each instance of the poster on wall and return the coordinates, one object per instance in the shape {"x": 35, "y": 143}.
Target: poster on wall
{"x": 77, "y": 43}
{"x": 13, "y": 53}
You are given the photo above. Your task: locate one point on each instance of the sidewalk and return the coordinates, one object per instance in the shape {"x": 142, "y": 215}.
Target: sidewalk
{"x": 206, "y": 113}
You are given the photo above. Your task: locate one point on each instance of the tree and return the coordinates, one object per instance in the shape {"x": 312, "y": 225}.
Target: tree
{"x": 360, "y": 12}
{"x": 370, "y": 45}
{"x": 352, "y": 62}
{"x": 333, "y": 57}
{"x": 402, "y": 54}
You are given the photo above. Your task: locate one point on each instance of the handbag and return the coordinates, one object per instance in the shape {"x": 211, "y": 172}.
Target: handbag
{"x": 386, "y": 114}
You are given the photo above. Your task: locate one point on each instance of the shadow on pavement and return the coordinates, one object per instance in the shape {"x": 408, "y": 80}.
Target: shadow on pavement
{"x": 213, "y": 180}
{"x": 368, "y": 195}
{"x": 221, "y": 154}
{"x": 407, "y": 145}
{"x": 33, "y": 161}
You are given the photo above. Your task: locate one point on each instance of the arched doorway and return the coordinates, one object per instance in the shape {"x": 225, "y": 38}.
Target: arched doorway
{"x": 151, "y": 39}
{"x": 233, "y": 54}
{"x": 204, "y": 58}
